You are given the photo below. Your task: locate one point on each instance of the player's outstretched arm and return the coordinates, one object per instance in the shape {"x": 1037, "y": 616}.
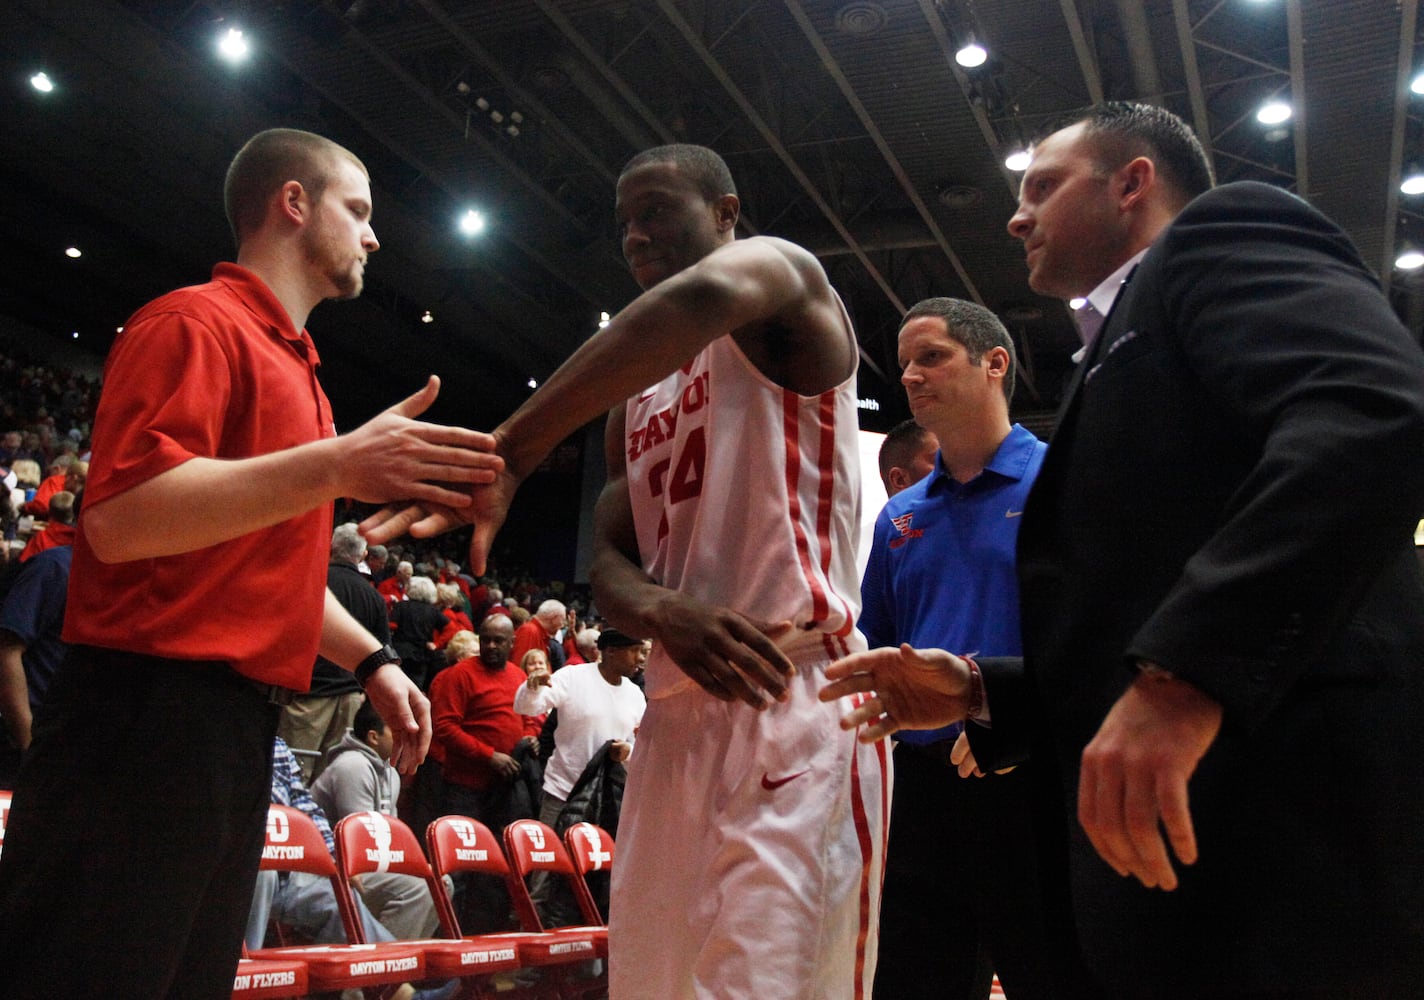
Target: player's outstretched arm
{"x": 905, "y": 688}
{"x": 205, "y": 501}
{"x": 740, "y": 284}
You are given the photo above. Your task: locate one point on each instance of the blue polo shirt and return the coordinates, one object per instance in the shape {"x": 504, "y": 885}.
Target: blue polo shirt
{"x": 941, "y": 571}
{"x": 34, "y": 611}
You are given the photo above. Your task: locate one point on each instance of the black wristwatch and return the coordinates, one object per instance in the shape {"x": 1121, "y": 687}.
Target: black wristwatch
{"x": 368, "y": 666}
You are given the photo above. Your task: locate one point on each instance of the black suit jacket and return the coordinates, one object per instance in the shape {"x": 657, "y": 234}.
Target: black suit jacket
{"x": 1230, "y": 493}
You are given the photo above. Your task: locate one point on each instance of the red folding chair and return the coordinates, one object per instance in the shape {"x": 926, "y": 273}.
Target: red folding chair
{"x": 459, "y": 844}
{"x": 371, "y": 843}
{"x": 532, "y": 847}
{"x": 5, "y": 796}
{"x": 590, "y": 849}
{"x": 294, "y": 844}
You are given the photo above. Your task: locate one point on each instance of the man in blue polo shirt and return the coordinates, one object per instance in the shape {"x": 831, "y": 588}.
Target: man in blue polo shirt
{"x": 965, "y": 892}
{"x": 30, "y": 646}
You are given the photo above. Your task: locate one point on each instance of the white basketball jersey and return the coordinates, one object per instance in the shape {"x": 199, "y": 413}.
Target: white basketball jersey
{"x": 747, "y": 495}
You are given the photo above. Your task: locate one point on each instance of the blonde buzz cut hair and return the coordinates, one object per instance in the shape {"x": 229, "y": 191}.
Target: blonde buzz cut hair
{"x": 267, "y": 161}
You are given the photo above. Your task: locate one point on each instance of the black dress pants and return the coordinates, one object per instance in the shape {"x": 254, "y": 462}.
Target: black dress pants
{"x": 967, "y": 891}
{"x": 132, "y": 847}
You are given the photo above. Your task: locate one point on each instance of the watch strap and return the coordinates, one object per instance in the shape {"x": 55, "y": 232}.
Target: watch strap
{"x": 373, "y": 662}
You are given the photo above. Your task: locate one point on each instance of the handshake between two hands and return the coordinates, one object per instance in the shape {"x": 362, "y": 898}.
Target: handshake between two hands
{"x": 433, "y": 478}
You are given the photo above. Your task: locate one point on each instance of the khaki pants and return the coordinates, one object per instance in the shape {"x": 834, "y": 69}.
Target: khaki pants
{"x": 313, "y": 724}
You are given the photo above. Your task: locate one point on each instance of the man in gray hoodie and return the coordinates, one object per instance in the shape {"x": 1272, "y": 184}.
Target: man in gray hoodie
{"x": 359, "y": 777}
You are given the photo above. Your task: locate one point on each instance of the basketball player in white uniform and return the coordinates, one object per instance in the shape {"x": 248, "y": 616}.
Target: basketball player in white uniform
{"x": 751, "y": 842}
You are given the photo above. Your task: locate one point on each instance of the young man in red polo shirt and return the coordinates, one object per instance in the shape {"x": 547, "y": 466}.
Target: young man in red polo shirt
{"x": 138, "y": 821}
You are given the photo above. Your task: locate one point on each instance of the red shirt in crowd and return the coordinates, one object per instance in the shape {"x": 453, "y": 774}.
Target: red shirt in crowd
{"x": 457, "y": 580}
{"x": 53, "y": 535}
{"x": 392, "y": 589}
{"x": 456, "y": 621}
{"x": 530, "y": 635}
{"x": 39, "y": 505}
{"x": 472, "y": 713}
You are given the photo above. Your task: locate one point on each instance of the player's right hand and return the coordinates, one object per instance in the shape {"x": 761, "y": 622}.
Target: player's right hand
{"x": 418, "y": 520}
{"x": 730, "y": 656}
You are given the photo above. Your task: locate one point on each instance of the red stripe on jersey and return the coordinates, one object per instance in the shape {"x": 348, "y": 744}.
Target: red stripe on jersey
{"x": 791, "y": 423}
{"x": 867, "y": 860}
{"x": 882, "y": 751}
{"x": 824, "y": 500}
{"x": 826, "y": 462}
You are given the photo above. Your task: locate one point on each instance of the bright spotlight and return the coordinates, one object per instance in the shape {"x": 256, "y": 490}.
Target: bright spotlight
{"x": 1017, "y": 161}
{"x": 971, "y": 55}
{"x": 1413, "y": 184}
{"x": 472, "y": 223}
{"x": 1274, "y": 113}
{"x": 233, "y": 46}
{"x": 1077, "y": 303}
{"x": 1409, "y": 260}
{"x": 41, "y": 82}
{"x": 73, "y": 253}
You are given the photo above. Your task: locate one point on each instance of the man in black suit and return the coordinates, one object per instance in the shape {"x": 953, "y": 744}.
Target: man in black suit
{"x": 1223, "y": 616}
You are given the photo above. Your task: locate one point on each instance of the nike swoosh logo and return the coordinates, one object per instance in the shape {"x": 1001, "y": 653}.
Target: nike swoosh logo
{"x": 647, "y": 396}
{"x": 771, "y": 786}
{"x": 1013, "y": 513}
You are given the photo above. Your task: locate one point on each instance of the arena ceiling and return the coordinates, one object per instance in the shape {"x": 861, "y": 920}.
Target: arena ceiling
{"x": 848, "y": 125}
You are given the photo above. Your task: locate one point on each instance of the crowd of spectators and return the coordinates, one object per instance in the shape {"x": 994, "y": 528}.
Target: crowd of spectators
{"x": 45, "y": 405}
{"x": 45, "y": 416}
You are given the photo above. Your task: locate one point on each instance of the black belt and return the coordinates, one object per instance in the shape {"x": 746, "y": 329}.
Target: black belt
{"x": 273, "y": 693}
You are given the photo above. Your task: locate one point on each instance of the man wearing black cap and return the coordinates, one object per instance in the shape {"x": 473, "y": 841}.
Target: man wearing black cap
{"x": 597, "y": 702}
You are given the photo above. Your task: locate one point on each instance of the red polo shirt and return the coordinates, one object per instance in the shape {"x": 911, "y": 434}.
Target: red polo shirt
{"x": 472, "y": 714}
{"x": 530, "y": 635}
{"x": 214, "y": 371}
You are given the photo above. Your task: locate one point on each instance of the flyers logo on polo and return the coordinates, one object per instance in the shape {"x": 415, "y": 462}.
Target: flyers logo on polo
{"x": 902, "y": 524}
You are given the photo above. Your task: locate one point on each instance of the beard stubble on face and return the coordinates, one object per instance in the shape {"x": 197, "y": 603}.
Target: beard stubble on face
{"x": 324, "y": 253}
